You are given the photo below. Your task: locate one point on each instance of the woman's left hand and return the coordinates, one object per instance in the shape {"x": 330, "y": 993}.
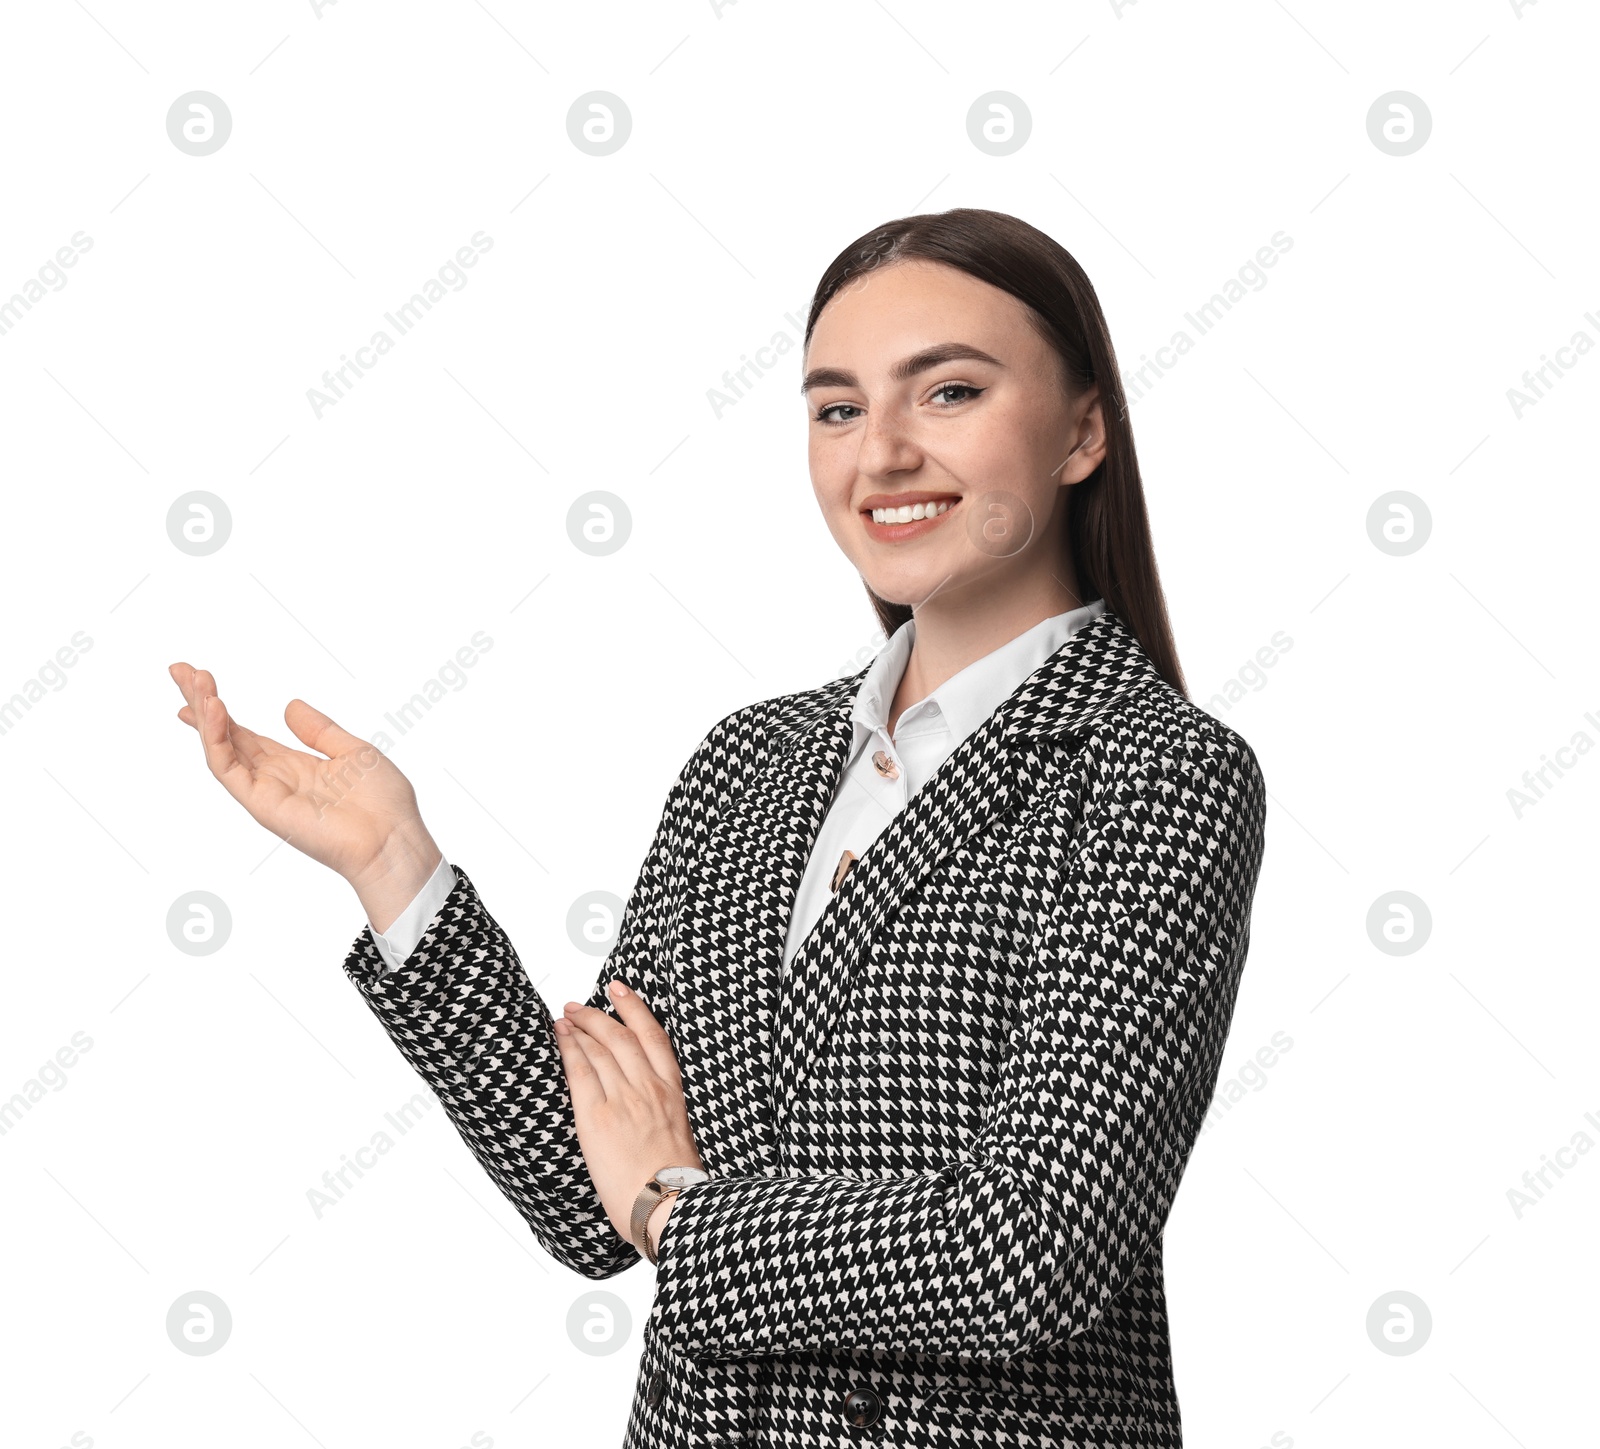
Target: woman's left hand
{"x": 627, "y": 1100}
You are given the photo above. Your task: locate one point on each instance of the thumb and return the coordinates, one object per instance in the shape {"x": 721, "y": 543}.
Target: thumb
{"x": 312, "y": 727}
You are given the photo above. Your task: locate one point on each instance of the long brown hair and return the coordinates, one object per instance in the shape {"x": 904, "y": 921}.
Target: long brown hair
{"x": 1107, "y": 527}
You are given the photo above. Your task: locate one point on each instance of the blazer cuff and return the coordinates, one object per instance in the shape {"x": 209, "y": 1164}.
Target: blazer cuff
{"x": 405, "y": 931}
{"x": 449, "y": 971}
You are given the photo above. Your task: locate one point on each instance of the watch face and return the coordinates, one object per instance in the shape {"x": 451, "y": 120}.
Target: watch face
{"x": 681, "y": 1177}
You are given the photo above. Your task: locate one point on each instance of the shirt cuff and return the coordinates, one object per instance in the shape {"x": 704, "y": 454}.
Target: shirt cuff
{"x": 401, "y": 939}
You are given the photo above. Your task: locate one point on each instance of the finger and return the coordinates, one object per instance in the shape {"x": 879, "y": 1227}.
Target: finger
{"x": 614, "y": 1078}
{"x": 318, "y": 730}
{"x": 612, "y": 1048}
{"x": 251, "y": 747}
{"x": 238, "y": 751}
{"x": 583, "y": 1082}
{"x": 211, "y": 722}
{"x": 248, "y": 745}
{"x": 196, "y": 685}
{"x": 647, "y": 1031}
{"x": 183, "y": 676}
{"x": 231, "y": 757}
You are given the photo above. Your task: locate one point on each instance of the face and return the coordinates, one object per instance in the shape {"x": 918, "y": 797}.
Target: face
{"x": 928, "y": 391}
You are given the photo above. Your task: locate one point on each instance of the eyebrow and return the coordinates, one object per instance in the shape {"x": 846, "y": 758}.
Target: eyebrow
{"x": 903, "y": 370}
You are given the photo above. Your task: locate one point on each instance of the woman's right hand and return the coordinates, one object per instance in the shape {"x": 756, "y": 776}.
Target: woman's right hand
{"x": 347, "y": 807}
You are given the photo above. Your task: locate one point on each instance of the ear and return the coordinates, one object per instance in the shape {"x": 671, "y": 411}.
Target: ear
{"x": 1087, "y": 441}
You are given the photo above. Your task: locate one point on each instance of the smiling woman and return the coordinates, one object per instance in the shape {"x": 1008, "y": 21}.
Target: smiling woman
{"x": 917, "y": 1005}
{"x": 1008, "y": 404}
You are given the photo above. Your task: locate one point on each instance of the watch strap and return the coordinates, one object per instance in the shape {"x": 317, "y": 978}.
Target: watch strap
{"x": 643, "y": 1205}
{"x": 649, "y": 1199}
{"x": 678, "y": 1179}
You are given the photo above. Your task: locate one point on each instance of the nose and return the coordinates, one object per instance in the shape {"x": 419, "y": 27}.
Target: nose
{"x": 888, "y": 445}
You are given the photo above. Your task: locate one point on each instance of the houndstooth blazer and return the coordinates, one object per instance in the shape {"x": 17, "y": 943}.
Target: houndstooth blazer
{"x": 944, "y": 1143}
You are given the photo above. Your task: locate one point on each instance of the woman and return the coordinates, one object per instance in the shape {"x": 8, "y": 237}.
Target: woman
{"x": 920, "y": 996}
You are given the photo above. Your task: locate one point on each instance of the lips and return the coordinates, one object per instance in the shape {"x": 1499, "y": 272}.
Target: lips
{"x": 913, "y": 528}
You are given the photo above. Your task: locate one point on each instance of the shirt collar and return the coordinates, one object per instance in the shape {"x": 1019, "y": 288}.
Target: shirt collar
{"x": 970, "y": 695}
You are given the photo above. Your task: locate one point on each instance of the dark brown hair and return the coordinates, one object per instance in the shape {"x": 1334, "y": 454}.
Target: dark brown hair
{"x": 1106, "y": 525}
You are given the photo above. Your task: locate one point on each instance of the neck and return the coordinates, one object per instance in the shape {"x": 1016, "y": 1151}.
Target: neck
{"x": 954, "y": 631}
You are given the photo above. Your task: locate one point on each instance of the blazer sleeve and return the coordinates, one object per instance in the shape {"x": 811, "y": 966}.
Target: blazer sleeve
{"x": 1023, "y": 1240}
{"x": 463, "y": 1011}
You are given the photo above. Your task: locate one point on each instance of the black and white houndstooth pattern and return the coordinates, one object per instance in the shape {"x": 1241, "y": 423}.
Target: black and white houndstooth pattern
{"x": 945, "y": 1141}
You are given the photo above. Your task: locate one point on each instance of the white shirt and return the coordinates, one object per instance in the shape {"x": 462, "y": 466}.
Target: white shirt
{"x": 925, "y": 736}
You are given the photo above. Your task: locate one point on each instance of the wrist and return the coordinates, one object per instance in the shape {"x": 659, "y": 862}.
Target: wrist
{"x": 653, "y": 1204}
{"x": 391, "y": 880}
{"x": 656, "y": 1223}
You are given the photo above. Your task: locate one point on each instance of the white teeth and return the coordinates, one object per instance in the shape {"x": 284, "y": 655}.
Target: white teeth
{"x": 910, "y": 512}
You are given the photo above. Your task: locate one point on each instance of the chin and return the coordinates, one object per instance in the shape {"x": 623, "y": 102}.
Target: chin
{"x": 913, "y": 591}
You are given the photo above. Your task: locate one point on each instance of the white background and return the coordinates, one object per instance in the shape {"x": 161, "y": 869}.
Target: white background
{"x": 1169, "y": 142}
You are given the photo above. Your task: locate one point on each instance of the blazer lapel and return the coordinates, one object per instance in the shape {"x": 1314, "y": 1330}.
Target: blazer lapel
{"x": 728, "y": 953}
{"x": 747, "y": 1030}
{"x": 989, "y": 774}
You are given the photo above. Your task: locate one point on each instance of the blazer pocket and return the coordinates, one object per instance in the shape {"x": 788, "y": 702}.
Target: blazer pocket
{"x": 985, "y": 1410}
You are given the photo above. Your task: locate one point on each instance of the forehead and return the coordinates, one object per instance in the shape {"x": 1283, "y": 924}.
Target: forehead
{"x": 915, "y": 303}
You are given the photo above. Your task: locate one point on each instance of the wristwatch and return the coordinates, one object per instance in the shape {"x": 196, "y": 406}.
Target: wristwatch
{"x": 666, "y": 1182}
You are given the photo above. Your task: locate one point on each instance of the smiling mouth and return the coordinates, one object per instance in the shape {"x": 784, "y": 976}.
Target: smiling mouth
{"x": 910, "y": 513}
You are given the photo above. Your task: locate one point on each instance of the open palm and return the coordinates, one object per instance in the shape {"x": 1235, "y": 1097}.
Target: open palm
{"x": 341, "y": 806}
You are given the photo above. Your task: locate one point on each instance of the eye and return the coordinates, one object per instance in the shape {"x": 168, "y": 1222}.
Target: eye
{"x": 828, "y": 415}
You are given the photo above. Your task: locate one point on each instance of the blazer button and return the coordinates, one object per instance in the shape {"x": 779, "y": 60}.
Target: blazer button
{"x": 656, "y": 1389}
{"x": 862, "y": 1407}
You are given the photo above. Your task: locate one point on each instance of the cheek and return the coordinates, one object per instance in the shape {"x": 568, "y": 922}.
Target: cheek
{"x": 1009, "y": 452}
{"x": 832, "y": 485}
{"x": 987, "y": 456}
{"x": 832, "y": 474}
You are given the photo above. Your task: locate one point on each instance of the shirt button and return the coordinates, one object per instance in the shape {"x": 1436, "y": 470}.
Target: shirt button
{"x": 885, "y": 765}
